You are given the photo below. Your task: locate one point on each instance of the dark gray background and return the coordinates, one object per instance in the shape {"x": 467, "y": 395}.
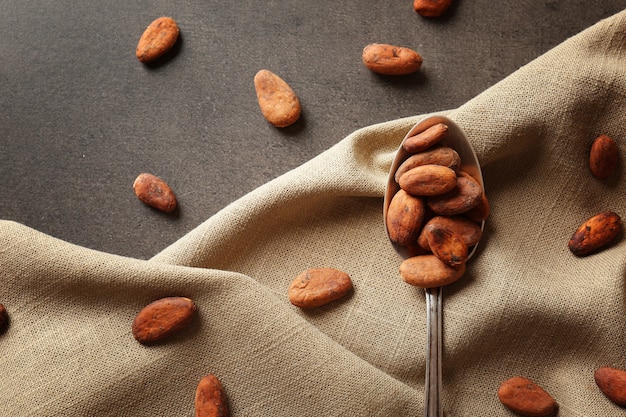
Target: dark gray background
{"x": 81, "y": 117}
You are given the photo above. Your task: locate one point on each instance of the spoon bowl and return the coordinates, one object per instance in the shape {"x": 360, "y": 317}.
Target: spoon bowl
{"x": 456, "y": 140}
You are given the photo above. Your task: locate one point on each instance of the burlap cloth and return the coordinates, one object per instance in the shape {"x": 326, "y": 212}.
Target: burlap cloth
{"x": 526, "y": 305}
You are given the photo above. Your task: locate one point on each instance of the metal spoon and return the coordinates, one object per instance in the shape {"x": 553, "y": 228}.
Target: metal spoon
{"x": 456, "y": 140}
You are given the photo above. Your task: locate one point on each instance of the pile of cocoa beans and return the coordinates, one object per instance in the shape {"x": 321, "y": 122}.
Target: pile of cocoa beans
{"x": 437, "y": 213}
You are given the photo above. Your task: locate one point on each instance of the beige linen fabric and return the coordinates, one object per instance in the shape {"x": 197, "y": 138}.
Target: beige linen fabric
{"x": 526, "y": 305}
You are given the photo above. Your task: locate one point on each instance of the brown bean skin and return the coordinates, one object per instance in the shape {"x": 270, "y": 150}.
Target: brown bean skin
{"x": 211, "y": 398}
{"x": 426, "y": 139}
{"x": 603, "y": 157}
{"x": 4, "y": 319}
{"x": 162, "y": 318}
{"x": 596, "y": 233}
{"x": 155, "y": 192}
{"x": 405, "y": 216}
{"x": 524, "y": 397}
{"x": 428, "y": 180}
{"x": 463, "y": 198}
{"x": 612, "y": 383}
{"x": 440, "y": 155}
{"x": 431, "y": 8}
{"x": 446, "y": 245}
{"x": 469, "y": 230}
{"x": 390, "y": 59}
{"x": 482, "y": 210}
{"x": 316, "y": 287}
{"x": 278, "y": 102}
{"x": 158, "y": 38}
{"x": 428, "y": 271}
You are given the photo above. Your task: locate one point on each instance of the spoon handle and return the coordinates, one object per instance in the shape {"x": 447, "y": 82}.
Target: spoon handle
{"x": 432, "y": 394}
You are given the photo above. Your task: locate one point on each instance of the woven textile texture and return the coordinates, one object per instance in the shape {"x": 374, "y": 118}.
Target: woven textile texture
{"x": 526, "y": 306}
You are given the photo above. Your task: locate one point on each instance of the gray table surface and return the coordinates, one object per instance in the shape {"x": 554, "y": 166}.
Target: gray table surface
{"x": 81, "y": 117}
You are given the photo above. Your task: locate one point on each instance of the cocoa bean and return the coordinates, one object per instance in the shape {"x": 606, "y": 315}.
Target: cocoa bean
{"x": 603, "y": 157}
{"x": 278, "y": 102}
{"x": 4, "y": 319}
{"x": 464, "y": 197}
{"x": 155, "y": 192}
{"x": 524, "y": 397}
{"x": 390, "y": 59}
{"x": 595, "y": 233}
{"x": 469, "y": 230}
{"x": 428, "y": 180}
{"x": 315, "y": 287}
{"x": 425, "y": 139}
{"x": 431, "y": 8}
{"x": 158, "y": 38}
{"x": 211, "y": 398}
{"x": 162, "y": 318}
{"x": 441, "y": 155}
{"x": 428, "y": 271}
{"x": 612, "y": 383}
{"x": 405, "y": 216}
